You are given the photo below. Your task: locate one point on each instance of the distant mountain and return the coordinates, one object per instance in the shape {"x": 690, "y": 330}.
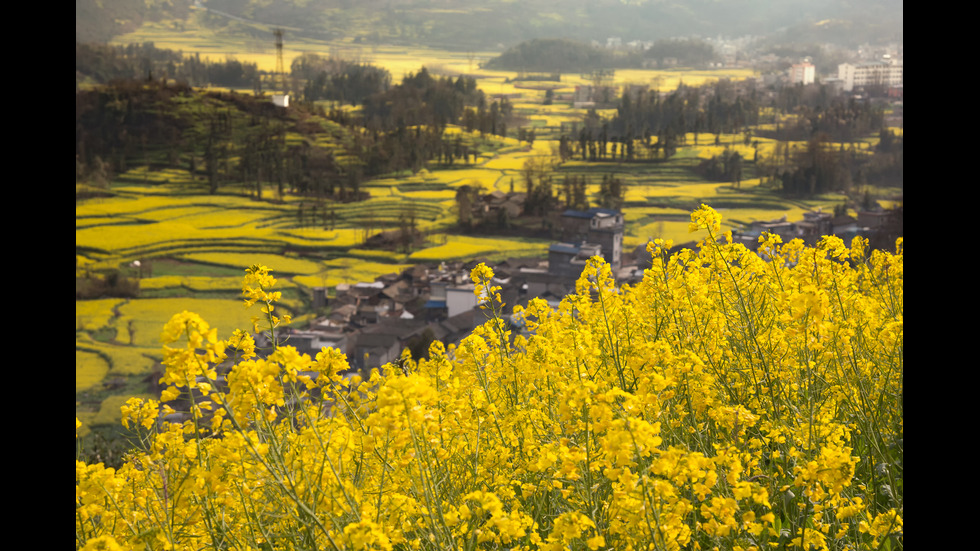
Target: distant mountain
{"x": 493, "y": 24}
{"x": 100, "y": 20}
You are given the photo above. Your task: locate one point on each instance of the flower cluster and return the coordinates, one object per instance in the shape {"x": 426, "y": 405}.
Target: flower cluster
{"x": 728, "y": 401}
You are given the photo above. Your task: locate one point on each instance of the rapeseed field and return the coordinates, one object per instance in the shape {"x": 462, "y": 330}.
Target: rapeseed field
{"x": 730, "y": 400}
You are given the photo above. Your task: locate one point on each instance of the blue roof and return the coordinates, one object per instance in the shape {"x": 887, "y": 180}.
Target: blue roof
{"x": 564, "y": 248}
{"x": 435, "y": 304}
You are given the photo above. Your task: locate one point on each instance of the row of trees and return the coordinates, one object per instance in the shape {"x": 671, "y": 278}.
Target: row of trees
{"x": 334, "y": 79}
{"x": 643, "y": 114}
{"x": 716, "y": 108}
{"x": 823, "y": 165}
{"x": 842, "y": 119}
{"x": 820, "y": 120}
{"x": 686, "y": 52}
{"x": 592, "y": 145}
{"x": 102, "y": 63}
{"x": 422, "y": 99}
{"x": 547, "y": 55}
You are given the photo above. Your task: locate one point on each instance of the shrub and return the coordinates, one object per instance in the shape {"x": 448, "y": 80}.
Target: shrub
{"x": 731, "y": 400}
{"x": 111, "y": 284}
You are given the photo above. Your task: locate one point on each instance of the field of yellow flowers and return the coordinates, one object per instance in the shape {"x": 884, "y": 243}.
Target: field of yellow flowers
{"x": 731, "y": 400}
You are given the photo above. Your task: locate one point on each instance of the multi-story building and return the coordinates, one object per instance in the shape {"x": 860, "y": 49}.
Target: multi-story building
{"x": 584, "y": 234}
{"x": 596, "y": 225}
{"x": 887, "y": 72}
{"x": 802, "y": 73}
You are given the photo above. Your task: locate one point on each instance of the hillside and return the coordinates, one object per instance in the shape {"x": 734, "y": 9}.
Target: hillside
{"x": 559, "y": 55}
{"x": 467, "y": 24}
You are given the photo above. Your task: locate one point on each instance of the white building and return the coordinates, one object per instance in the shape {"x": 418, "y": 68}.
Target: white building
{"x": 887, "y": 72}
{"x": 802, "y": 73}
{"x": 462, "y": 298}
{"x": 281, "y": 100}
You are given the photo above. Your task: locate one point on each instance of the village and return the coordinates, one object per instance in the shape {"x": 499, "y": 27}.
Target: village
{"x": 373, "y": 322}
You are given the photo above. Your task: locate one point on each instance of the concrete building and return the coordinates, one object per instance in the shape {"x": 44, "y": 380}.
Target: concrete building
{"x": 887, "y": 72}
{"x": 567, "y": 260}
{"x": 802, "y": 73}
{"x": 311, "y": 342}
{"x": 600, "y": 226}
{"x": 461, "y": 298}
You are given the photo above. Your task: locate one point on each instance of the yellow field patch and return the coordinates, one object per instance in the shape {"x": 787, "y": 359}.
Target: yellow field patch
{"x": 90, "y": 370}
{"x": 666, "y": 229}
{"x": 91, "y": 315}
{"x": 109, "y": 412}
{"x": 124, "y": 359}
{"x": 791, "y": 212}
{"x": 512, "y": 162}
{"x": 486, "y": 176}
{"x": 683, "y": 190}
{"x": 161, "y": 176}
{"x": 709, "y": 151}
{"x": 339, "y": 238}
{"x": 280, "y": 264}
{"x": 669, "y": 79}
{"x": 149, "y": 315}
{"x": 458, "y": 247}
{"x": 93, "y": 221}
{"x": 123, "y": 238}
{"x": 348, "y": 270}
{"x": 440, "y": 195}
{"x": 172, "y": 213}
{"x": 192, "y": 283}
{"x": 210, "y": 219}
{"x": 150, "y": 199}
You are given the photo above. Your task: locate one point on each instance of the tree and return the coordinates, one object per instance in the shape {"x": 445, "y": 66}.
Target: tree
{"x": 466, "y": 198}
{"x": 610, "y": 192}
{"x": 407, "y": 228}
{"x": 734, "y": 170}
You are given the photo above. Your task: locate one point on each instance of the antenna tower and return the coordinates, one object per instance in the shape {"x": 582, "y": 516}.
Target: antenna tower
{"x": 282, "y": 98}
{"x": 280, "y": 69}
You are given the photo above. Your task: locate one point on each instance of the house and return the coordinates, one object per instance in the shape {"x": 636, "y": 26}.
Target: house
{"x": 875, "y": 219}
{"x": 461, "y": 298}
{"x": 510, "y": 203}
{"x": 311, "y": 342}
{"x": 603, "y": 227}
{"x": 567, "y": 260}
{"x": 814, "y": 226}
{"x": 372, "y": 350}
{"x": 781, "y": 226}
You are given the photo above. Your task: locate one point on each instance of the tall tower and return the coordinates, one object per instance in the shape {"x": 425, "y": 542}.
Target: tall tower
{"x": 281, "y": 99}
